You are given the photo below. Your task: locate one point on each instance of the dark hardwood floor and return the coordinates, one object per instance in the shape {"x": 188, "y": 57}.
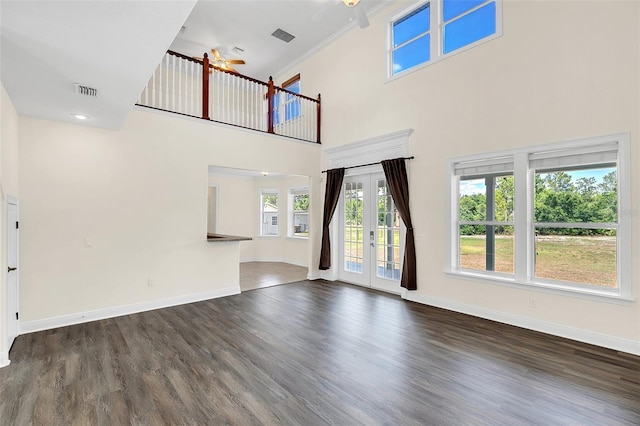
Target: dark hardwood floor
{"x": 313, "y": 353}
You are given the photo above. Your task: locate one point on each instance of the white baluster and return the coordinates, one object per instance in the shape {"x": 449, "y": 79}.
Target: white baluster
{"x": 173, "y": 84}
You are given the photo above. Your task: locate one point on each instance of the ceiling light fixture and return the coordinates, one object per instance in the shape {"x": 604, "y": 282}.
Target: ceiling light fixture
{"x": 350, "y": 3}
{"x": 265, "y": 173}
{"x": 79, "y": 116}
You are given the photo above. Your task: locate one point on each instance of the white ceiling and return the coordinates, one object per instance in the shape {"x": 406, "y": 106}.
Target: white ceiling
{"x": 114, "y": 46}
{"x": 249, "y": 24}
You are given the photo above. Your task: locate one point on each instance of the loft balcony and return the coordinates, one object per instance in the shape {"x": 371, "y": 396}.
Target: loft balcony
{"x": 197, "y": 88}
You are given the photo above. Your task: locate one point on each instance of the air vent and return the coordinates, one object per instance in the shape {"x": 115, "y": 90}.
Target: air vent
{"x": 86, "y": 90}
{"x": 283, "y": 35}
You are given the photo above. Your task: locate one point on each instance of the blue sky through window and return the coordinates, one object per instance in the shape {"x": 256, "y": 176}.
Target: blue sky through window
{"x": 467, "y": 21}
{"x": 476, "y": 186}
{"x": 453, "y": 8}
{"x": 411, "y": 26}
{"x": 470, "y": 28}
{"x": 411, "y": 54}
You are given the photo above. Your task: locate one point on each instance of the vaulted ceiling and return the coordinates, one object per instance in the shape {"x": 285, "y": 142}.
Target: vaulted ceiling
{"x": 114, "y": 46}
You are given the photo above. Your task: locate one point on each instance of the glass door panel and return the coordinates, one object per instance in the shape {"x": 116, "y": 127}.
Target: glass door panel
{"x": 371, "y": 234}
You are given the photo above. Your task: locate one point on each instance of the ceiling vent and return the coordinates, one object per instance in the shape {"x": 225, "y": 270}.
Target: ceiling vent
{"x": 283, "y": 35}
{"x": 86, "y": 90}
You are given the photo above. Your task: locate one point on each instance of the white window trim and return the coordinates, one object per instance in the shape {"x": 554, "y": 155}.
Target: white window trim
{"x": 260, "y": 212}
{"x": 524, "y": 263}
{"x": 435, "y": 29}
{"x": 290, "y": 212}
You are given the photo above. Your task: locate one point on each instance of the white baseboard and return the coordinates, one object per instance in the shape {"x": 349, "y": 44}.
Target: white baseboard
{"x": 580, "y": 335}
{"x": 4, "y": 359}
{"x": 313, "y": 276}
{"x": 279, "y": 260}
{"x": 99, "y": 314}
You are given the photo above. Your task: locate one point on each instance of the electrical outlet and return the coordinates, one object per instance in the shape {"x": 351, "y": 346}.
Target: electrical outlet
{"x": 533, "y": 303}
{"x": 88, "y": 243}
{"x": 150, "y": 282}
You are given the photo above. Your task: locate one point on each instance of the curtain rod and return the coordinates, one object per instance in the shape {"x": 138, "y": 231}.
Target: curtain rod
{"x": 371, "y": 164}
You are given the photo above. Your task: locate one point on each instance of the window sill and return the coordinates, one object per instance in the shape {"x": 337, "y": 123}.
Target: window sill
{"x": 558, "y": 289}
{"x": 293, "y": 237}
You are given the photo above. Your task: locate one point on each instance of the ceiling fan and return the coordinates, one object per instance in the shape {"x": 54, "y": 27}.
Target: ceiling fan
{"x": 224, "y": 64}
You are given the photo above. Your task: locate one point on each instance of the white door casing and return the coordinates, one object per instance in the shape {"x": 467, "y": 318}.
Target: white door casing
{"x": 12, "y": 271}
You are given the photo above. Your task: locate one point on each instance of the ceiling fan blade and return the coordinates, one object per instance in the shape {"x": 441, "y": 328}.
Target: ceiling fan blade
{"x": 228, "y": 68}
{"x": 216, "y": 54}
{"x": 361, "y": 15}
{"x": 235, "y": 61}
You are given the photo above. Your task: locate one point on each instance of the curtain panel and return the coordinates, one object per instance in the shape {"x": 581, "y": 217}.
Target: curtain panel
{"x": 331, "y": 196}
{"x": 395, "y": 172}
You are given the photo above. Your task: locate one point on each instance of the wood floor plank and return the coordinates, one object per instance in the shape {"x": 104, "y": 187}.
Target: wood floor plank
{"x": 313, "y": 353}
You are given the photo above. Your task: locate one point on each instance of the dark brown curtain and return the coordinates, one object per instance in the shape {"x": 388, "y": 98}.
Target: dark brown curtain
{"x": 396, "y": 174}
{"x": 331, "y": 196}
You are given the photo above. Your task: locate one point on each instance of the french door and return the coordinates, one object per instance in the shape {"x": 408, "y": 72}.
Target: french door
{"x": 371, "y": 234}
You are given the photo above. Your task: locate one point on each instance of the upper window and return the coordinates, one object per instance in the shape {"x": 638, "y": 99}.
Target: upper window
{"x": 269, "y": 212}
{"x": 287, "y": 105}
{"x": 439, "y": 28}
{"x": 299, "y": 213}
{"x": 546, "y": 216}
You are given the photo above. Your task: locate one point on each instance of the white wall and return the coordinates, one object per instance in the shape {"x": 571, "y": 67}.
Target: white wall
{"x": 8, "y": 186}
{"x": 139, "y": 195}
{"x": 236, "y": 209}
{"x": 561, "y": 70}
{"x": 239, "y": 214}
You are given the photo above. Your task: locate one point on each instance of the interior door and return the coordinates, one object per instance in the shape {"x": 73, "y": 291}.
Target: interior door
{"x": 371, "y": 234}
{"x": 12, "y": 271}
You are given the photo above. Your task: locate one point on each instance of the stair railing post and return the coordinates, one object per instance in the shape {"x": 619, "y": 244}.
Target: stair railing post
{"x": 205, "y": 87}
{"x": 270, "y": 96}
{"x": 318, "y": 120}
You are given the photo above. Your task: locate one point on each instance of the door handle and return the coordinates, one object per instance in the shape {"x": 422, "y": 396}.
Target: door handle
{"x": 11, "y": 269}
{"x": 372, "y": 244}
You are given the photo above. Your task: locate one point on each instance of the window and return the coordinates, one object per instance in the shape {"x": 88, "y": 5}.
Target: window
{"x": 439, "y": 28}
{"x": 287, "y": 105}
{"x": 269, "y": 212}
{"x": 486, "y": 223}
{"x": 546, "y": 216}
{"x": 299, "y": 213}
{"x": 411, "y": 39}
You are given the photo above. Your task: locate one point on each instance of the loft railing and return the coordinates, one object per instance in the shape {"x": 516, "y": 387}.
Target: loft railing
{"x": 196, "y": 88}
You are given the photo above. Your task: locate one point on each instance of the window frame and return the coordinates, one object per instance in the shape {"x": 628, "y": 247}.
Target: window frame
{"x": 524, "y": 223}
{"x": 284, "y": 99}
{"x": 436, "y": 30}
{"x": 291, "y": 212}
{"x": 261, "y": 223}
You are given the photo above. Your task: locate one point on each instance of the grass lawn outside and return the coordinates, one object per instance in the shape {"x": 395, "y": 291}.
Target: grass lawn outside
{"x": 589, "y": 260}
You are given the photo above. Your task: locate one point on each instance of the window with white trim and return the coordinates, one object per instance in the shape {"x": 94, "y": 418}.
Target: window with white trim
{"x": 438, "y": 28}
{"x": 547, "y": 216}
{"x": 269, "y": 212}
{"x": 287, "y": 105}
{"x": 299, "y": 213}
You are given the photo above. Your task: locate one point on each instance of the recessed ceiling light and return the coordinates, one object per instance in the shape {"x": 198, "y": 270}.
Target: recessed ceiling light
{"x": 79, "y": 116}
